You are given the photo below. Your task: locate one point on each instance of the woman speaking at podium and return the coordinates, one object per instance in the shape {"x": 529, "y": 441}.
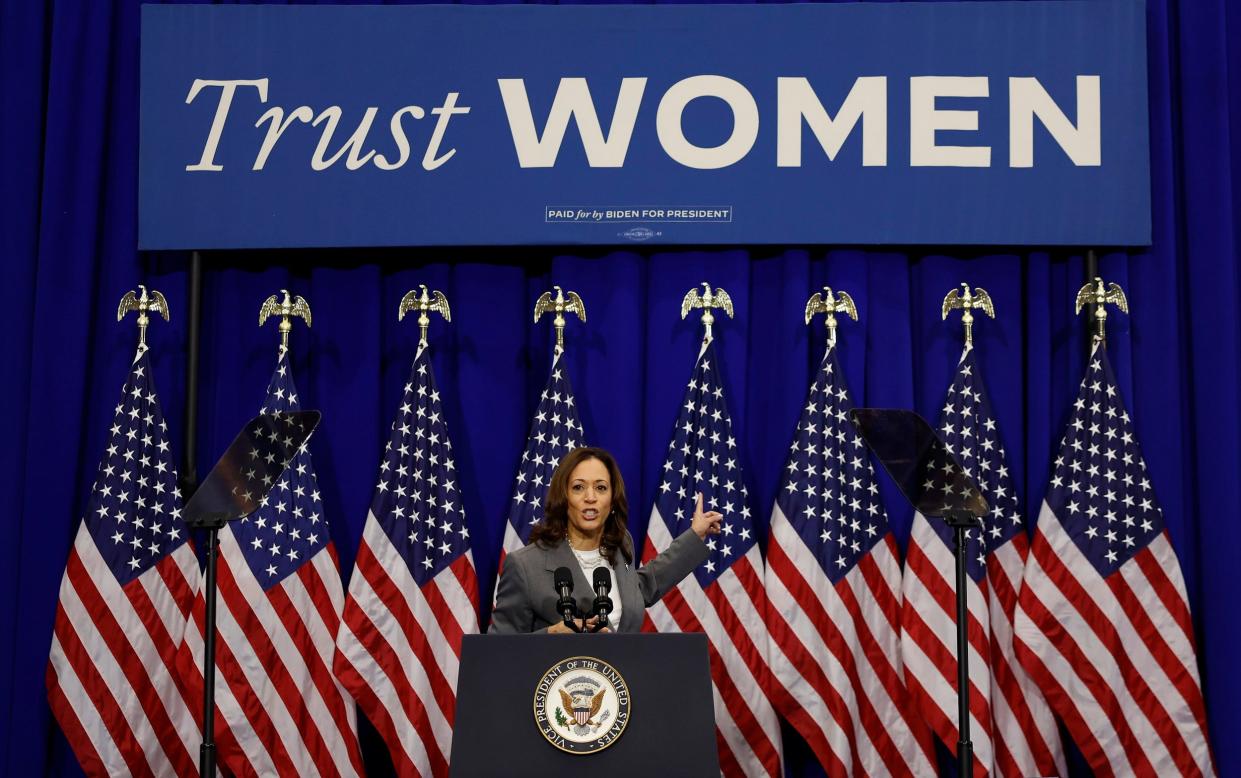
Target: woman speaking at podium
{"x": 583, "y": 529}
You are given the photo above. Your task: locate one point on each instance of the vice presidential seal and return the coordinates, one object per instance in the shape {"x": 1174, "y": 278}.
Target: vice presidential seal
{"x": 581, "y": 705}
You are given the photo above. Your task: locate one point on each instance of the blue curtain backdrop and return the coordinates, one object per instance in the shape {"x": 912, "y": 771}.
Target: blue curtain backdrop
{"x": 68, "y": 156}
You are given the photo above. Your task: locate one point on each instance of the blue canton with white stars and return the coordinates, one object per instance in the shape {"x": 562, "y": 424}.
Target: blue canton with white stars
{"x": 555, "y": 431}
{"x": 134, "y": 511}
{"x": 288, "y": 528}
{"x": 416, "y": 500}
{"x": 702, "y": 457}
{"x": 1100, "y": 490}
{"x": 969, "y": 432}
{"x": 829, "y": 493}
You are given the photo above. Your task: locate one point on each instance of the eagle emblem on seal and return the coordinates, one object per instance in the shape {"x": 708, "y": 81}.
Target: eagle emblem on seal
{"x": 584, "y": 706}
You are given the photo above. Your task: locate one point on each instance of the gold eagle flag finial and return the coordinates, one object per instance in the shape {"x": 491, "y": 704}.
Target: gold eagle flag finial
{"x": 831, "y": 304}
{"x": 1096, "y": 294}
{"x": 968, "y": 301}
{"x": 559, "y": 305}
{"x": 286, "y": 308}
{"x": 142, "y": 303}
{"x": 424, "y": 303}
{"x": 707, "y": 300}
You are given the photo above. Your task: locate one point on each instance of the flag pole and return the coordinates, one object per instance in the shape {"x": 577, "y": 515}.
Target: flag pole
{"x": 154, "y": 302}
{"x": 966, "y": 300}
{"x": 213, "y": 521}
{"x": 1092, "y": 272}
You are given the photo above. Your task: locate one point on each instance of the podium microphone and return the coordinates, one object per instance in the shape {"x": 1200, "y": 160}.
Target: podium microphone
{"x": 603, "y": 603}
{"x": 563, "y": 580}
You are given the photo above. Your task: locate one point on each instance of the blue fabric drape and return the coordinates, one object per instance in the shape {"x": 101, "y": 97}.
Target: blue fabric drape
{"x": 68, "y": 151}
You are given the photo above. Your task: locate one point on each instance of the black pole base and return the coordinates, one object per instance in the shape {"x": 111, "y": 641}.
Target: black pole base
{"x": 206, "y": 759}
{"x": 206, "y": 752}
{"x": 965, "y": 758}
{"x": 965, "y": 747}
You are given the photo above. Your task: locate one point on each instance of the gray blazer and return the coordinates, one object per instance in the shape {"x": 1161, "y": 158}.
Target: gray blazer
{"x": 526, "y": 597}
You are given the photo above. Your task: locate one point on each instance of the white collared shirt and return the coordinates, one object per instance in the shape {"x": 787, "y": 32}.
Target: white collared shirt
{"x": 588, "y": 561}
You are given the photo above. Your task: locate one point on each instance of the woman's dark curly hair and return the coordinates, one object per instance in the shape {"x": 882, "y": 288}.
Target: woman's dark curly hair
{"x": 555, "y": 524}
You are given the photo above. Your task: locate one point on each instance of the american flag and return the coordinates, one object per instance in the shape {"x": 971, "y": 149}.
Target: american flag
{"x": 414, "y": 591}
{"x": 1012, "y": 728}
{"x": 723, "y": 597}
{"x": 833, "y": 580}
{"x": 554, "y": 432}
{"x": 279, "y": 709}
{"x": 131, "y": 576}
{"x": 1103, "y": 622}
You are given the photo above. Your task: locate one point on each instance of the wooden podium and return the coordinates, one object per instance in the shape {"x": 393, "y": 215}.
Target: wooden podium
{"x": 665, "y": 705}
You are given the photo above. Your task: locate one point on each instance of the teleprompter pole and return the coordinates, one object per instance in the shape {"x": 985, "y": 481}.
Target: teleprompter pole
{"x": 189, "y": 484}
{"x": 194, "y": 309}
{"x": 234, "y": 488}
{"x": 206, "y": 752}
{"x": 965, "y": 746}
{"x": 961, "y": 523}
{"x": 910, "y": 450}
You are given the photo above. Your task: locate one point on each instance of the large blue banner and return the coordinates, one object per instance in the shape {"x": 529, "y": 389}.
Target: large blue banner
{"x": 929, "y": 123}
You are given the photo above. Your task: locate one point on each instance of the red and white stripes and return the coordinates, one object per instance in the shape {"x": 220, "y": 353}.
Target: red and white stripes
{"x": 1114, "y": 656}
{"x": 111, "y": 676}
{"x": 399, "y": 647}
{"x": 732, "y": 614}
{"x": 836, "y": 659}
{"x": 280, "y": 710}
{"x": 1011, "y": 726}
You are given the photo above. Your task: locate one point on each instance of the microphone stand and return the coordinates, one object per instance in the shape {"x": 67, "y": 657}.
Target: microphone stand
{"x": 603, "y": 603}
{"x": 568, "y": 608}
{"x": 601, "y": 609}
{"x": 570, "y": 613}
